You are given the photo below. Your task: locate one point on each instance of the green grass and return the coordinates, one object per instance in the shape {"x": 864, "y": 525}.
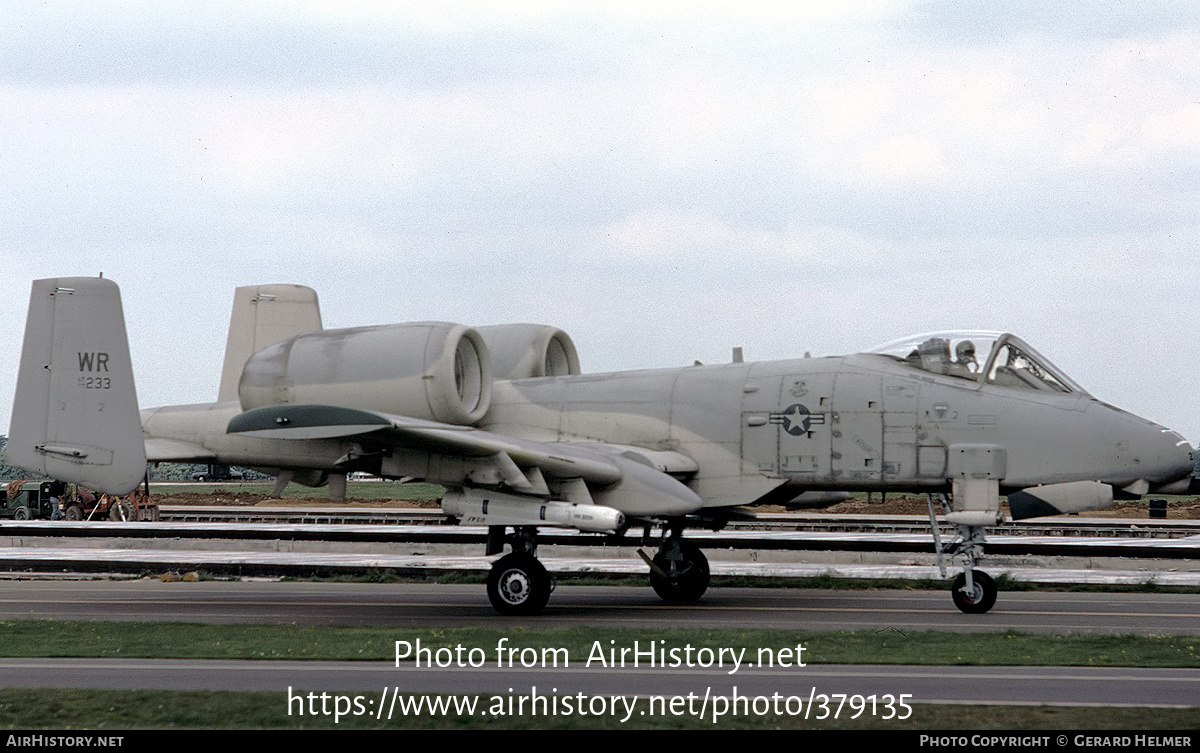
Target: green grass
{"x": 101, "y": 710}
{"x": 177, "y": 640}
{"x": 123, "y": 710}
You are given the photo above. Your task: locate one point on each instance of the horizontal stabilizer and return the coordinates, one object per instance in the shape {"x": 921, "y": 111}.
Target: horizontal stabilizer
{"x": 1060, "y": 499}
{"x": 306, "y": 422}
{"x": 75, "y": 415}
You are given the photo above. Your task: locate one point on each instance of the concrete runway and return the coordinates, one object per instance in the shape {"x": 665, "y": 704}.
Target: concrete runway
{"x": 405, "y": 604}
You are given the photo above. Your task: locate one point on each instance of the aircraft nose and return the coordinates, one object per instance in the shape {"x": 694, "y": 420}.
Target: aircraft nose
{"x": 1155, "y": 457}
{"x": 1176, "y": 456}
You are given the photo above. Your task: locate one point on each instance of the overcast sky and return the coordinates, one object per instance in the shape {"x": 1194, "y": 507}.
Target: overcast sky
{"x": 663, "y": 181}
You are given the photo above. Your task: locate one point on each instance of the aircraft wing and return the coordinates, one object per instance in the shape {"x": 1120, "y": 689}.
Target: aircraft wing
{"x": 325, "y": 422}
{"x": 634, "y": 481}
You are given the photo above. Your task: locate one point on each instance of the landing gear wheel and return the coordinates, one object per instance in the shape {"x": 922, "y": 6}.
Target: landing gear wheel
{"x": 122, "y": 511}
{"x": 687, "y": 578}
{"x": 74, "y": 512}
{"x": 981, "y": 598}
{"x": 518, "y": 585}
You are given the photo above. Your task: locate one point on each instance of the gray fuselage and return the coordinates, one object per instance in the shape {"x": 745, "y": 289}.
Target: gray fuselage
{"x": 855, "y": 422}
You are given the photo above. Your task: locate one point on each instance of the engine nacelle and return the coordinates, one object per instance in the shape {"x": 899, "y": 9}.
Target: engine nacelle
{"x": 432, "y": 370}
{"x": 522, "y": 351}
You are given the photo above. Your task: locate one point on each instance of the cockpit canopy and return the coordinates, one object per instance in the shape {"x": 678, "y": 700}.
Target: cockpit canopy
{"x": 998, "y": 358}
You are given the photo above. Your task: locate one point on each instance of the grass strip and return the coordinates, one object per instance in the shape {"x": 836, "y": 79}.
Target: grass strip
{"x": 45, "y": 638}
{"x": 99, "y": 710}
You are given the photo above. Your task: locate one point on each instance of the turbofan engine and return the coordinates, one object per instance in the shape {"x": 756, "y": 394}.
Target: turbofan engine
{"x": 523, "y": 351}
{"x": 432, "y": 370}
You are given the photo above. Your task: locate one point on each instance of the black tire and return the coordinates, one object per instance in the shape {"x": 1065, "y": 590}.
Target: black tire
{"x": 120, "y": 512}
{"x": 686, "y": 580}
{"x": 74, "y": 512}
{"x": 202, "y": 479}
{"x": 981, "y": 599}
{"x": 21, "y": 513}
{"x": 518, "y": 585}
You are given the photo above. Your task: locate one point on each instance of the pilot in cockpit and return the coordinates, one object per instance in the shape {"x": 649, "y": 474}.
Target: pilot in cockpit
{"x": 933, "y": 355}
{"x": 965, "y": 355}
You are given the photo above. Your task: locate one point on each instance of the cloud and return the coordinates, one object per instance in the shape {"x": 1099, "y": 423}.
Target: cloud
{"x": 664, "y": 180}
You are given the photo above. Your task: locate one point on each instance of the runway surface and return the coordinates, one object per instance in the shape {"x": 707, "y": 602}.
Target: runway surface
{"x": 428, "y": 605}
{"x": 636, "y": 606}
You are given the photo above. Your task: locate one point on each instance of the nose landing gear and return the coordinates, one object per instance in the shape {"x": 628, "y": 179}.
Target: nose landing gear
{"x": 979, "y": 598}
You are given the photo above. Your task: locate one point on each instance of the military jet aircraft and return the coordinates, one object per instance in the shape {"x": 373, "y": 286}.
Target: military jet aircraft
{"x": 503, "y": 418}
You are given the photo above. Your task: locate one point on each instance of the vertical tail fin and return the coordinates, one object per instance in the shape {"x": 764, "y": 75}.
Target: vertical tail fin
{"x": 264, "y": 315}
{"x": 75, "y": 413}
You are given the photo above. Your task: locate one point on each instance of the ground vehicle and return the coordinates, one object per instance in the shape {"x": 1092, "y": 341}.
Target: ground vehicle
{"x": 26, "y": 500}
{"x": 218, "y": 472}
{"x": 30, "y": 500}
{"x": 84, "y": 505}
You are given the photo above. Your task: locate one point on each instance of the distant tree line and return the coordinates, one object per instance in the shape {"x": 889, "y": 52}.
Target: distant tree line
{"x": 6, "y": 470}
{"x": 185, "y": 471}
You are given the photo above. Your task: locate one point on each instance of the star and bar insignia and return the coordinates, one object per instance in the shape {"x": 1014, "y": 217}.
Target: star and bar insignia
{"x": 796, "y": 419}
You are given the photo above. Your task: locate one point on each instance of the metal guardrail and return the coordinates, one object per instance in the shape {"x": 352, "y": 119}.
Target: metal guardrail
{"x": 1072, "y": 527}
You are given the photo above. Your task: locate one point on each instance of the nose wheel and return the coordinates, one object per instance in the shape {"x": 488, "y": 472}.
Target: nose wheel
{"x": 977, "y": 599}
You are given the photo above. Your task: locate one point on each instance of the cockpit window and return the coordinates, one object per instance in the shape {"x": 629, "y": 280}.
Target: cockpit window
{"x": 956, "y": 354}
{"x": 1015, "y": 368}
{"x": 992, "y": 357}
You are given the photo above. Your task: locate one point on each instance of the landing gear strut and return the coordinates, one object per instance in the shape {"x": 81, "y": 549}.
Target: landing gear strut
{"x": 973, "y": 591}
{"x": 518, "y": 583}
{"x": 679, "y": 571}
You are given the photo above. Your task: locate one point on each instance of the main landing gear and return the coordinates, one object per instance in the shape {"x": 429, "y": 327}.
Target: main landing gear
{"x": 679, "y": 571}
{"x": 518, "y": 583}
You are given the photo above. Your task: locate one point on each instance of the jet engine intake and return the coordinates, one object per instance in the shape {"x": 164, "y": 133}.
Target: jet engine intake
{"x": 523, "y": 351}
{"x": 432, "y": 370}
